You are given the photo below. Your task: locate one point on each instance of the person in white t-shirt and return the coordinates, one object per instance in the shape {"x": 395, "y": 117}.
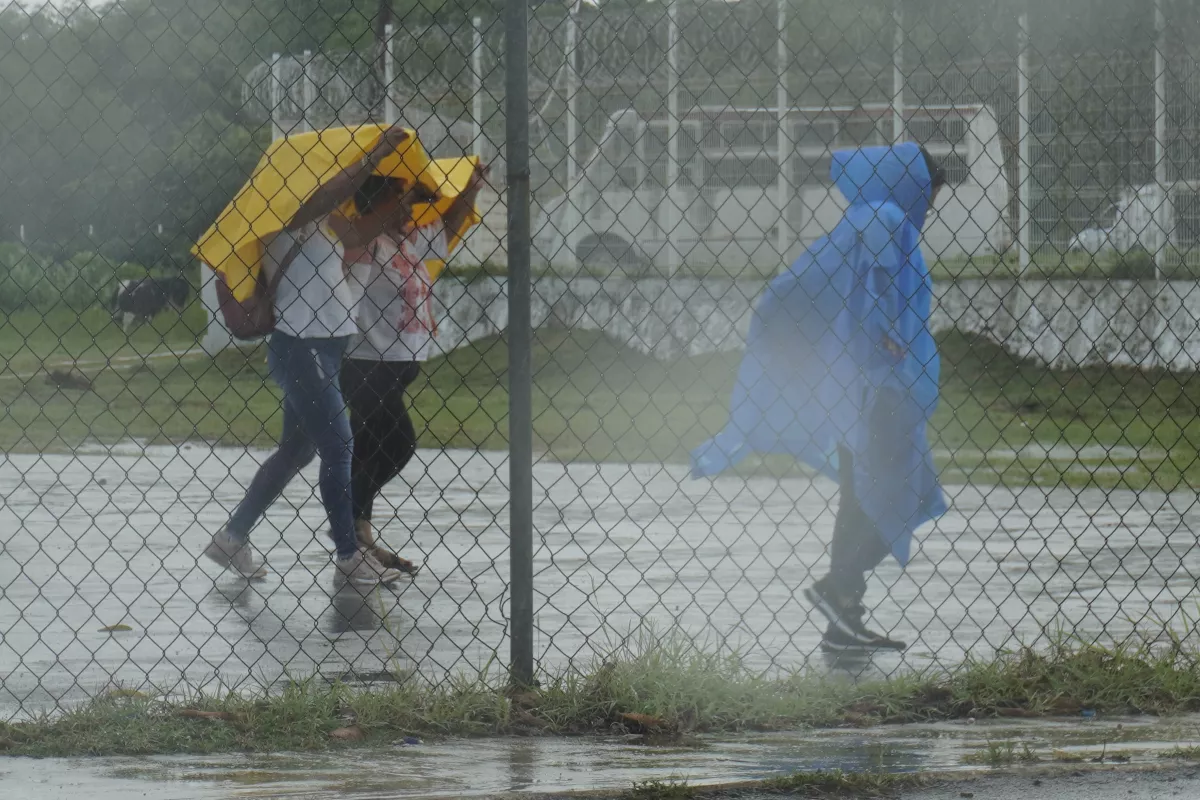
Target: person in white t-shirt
{"x": 396, "y": 333}
{"x": 315, "y": 310}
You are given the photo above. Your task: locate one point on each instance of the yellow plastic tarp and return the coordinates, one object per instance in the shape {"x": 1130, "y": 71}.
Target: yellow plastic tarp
{"x": 457, "y": 172}
{"x": 286, "y": 176}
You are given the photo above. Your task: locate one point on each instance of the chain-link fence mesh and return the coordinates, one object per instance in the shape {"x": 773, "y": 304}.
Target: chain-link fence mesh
{"x": 681, "y": 155}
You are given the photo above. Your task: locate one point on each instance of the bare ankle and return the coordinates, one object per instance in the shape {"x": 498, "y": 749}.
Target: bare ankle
{"x": 364, "y": 532}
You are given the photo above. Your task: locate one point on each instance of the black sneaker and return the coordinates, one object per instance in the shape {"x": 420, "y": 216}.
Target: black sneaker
{"x": 832, "y": 607}
{"x": 865, "y": 638}
{"x": 839, "y": 643}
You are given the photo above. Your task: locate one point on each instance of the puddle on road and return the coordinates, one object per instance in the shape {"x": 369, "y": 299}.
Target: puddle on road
{"x": 543, "y": 765}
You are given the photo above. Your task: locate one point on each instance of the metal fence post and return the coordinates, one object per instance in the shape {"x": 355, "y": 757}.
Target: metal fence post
{"x": 1162, "y": 219}
{"x": 520, "y": 344}
{"x": 1024, "y": 167}
{"x": 389, "y": 74}
{"x": 276, "y": 96}
{"x": 898, "y": 72}
{"x": 308, "y": 92}
{"x": 783, "y": 139}
{"x": 477, "y": 140}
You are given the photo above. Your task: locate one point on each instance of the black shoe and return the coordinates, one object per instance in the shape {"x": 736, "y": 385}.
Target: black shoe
{"x": 839, "y": 643}
{"x": 846, "y": 626}
{"x": 863, "y": 640}
{"x": 839, "y": 613}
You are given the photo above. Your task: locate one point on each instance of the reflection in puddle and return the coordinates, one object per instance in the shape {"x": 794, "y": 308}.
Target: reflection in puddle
{"x": 483, "y": 767}
{"x": 352, "y": 609}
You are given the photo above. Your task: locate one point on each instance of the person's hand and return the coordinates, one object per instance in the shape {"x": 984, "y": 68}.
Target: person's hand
{"x": 478, "y": 178}
{"x": 391, "y": 140}
{"x": 395, "y": 136}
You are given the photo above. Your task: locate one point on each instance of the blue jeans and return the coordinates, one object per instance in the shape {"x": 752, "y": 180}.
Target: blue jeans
{"x": 314, "y": 422}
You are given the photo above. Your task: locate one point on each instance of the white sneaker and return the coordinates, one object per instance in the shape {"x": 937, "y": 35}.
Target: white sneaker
{"x": 363, "y": 569}
{"x": 235, "y": 556}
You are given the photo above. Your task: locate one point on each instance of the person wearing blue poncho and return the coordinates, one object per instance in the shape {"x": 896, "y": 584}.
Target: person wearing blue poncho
{"x": 841, "y": 371}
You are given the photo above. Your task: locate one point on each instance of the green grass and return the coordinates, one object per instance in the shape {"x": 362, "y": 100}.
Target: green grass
{"x": 687, "y": 689}
{"x": 1181, "y": 754}
{"x": 819, "y": 783}
{"x": 1000, "y": 418}
{"x": 661, "y": 790}
{"x": 835, "y": 783}
{"x": 1002, "y": 753}
{"x": 1111, "y": 426}
{"x": 31, "y": 340}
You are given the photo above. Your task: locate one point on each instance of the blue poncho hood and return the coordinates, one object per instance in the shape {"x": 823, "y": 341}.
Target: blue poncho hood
{"x": 885, "y": 175}
{"x": 842, "y": 338}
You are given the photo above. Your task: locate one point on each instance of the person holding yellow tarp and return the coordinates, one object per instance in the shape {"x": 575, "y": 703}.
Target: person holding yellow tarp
{"x": 285, "y": 227}
{"x": 396, "y": 332}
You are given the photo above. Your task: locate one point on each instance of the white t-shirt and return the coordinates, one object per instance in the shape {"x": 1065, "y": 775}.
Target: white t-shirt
{"x": 395, "y": 316}
{"x": 314, "y": 300}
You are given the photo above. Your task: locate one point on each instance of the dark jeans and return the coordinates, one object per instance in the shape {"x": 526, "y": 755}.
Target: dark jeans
{"x": 314, "y": 422}
{"x": 384, "y": 437}
{"x": 857, "y": 547}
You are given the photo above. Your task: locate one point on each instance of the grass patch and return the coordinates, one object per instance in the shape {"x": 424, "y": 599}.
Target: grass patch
{"x": 1181, "y": 754}
{"x": 661, "y": 790}
{"x": 1104, "y": 756}
{"x": 819, "y": 783}
{"x": 1004, "y": 753}
{"x": 31, "y": 340}
{"x": 1000, "y": 418}
{"x": 834, "y": 783}
{"x": 662, "y": 684}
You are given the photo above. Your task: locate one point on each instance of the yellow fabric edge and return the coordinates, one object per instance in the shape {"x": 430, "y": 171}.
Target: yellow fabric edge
{"x": 287, "y": 174}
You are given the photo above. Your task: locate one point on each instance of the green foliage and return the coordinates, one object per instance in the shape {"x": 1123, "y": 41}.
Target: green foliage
{"x": 86, "y": 279}
{"x": 83, "y": 280}
{"x": 687, "y": 687}
{"x": 22, "y": 278}
{"x": 126, "y": 116}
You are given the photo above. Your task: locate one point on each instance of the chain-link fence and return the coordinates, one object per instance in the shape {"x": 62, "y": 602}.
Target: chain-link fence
{"x": 534, "y": 431}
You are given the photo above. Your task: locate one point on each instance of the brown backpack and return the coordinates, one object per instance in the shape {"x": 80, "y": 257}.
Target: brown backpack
{"x": 254, "y": 317}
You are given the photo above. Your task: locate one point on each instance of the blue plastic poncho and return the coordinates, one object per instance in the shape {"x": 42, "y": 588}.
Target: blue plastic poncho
{"x": 842, "y": 338}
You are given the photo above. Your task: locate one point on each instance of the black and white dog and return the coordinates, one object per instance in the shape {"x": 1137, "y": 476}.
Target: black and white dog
{"x": 138, "y": 300}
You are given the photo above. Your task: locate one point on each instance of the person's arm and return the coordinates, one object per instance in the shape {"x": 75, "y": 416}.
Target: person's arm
{"x": 341, "y": 187}
{"x": 464, "y": 203}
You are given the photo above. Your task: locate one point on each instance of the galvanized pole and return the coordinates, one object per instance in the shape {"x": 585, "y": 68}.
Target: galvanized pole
{"x": 275, "y": 92}
{"x": 389, "y": 75}
{"x": 308, "y": 91}
{"x": 571, "y": 218}
{"x": 783, "y": 140}
{"x": 898, "y": 72}
{"x": 572, "y": 93}
{"x": 520, "y": 344}
{"x": 674, "y": 256}
{"x": 1024, "y": 168}
{"x": 477, "y": 93}
{"x": 1161, "y": 216}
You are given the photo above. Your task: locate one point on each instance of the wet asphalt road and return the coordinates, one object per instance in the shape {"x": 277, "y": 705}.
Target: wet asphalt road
{"x": 111, "y": 537}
